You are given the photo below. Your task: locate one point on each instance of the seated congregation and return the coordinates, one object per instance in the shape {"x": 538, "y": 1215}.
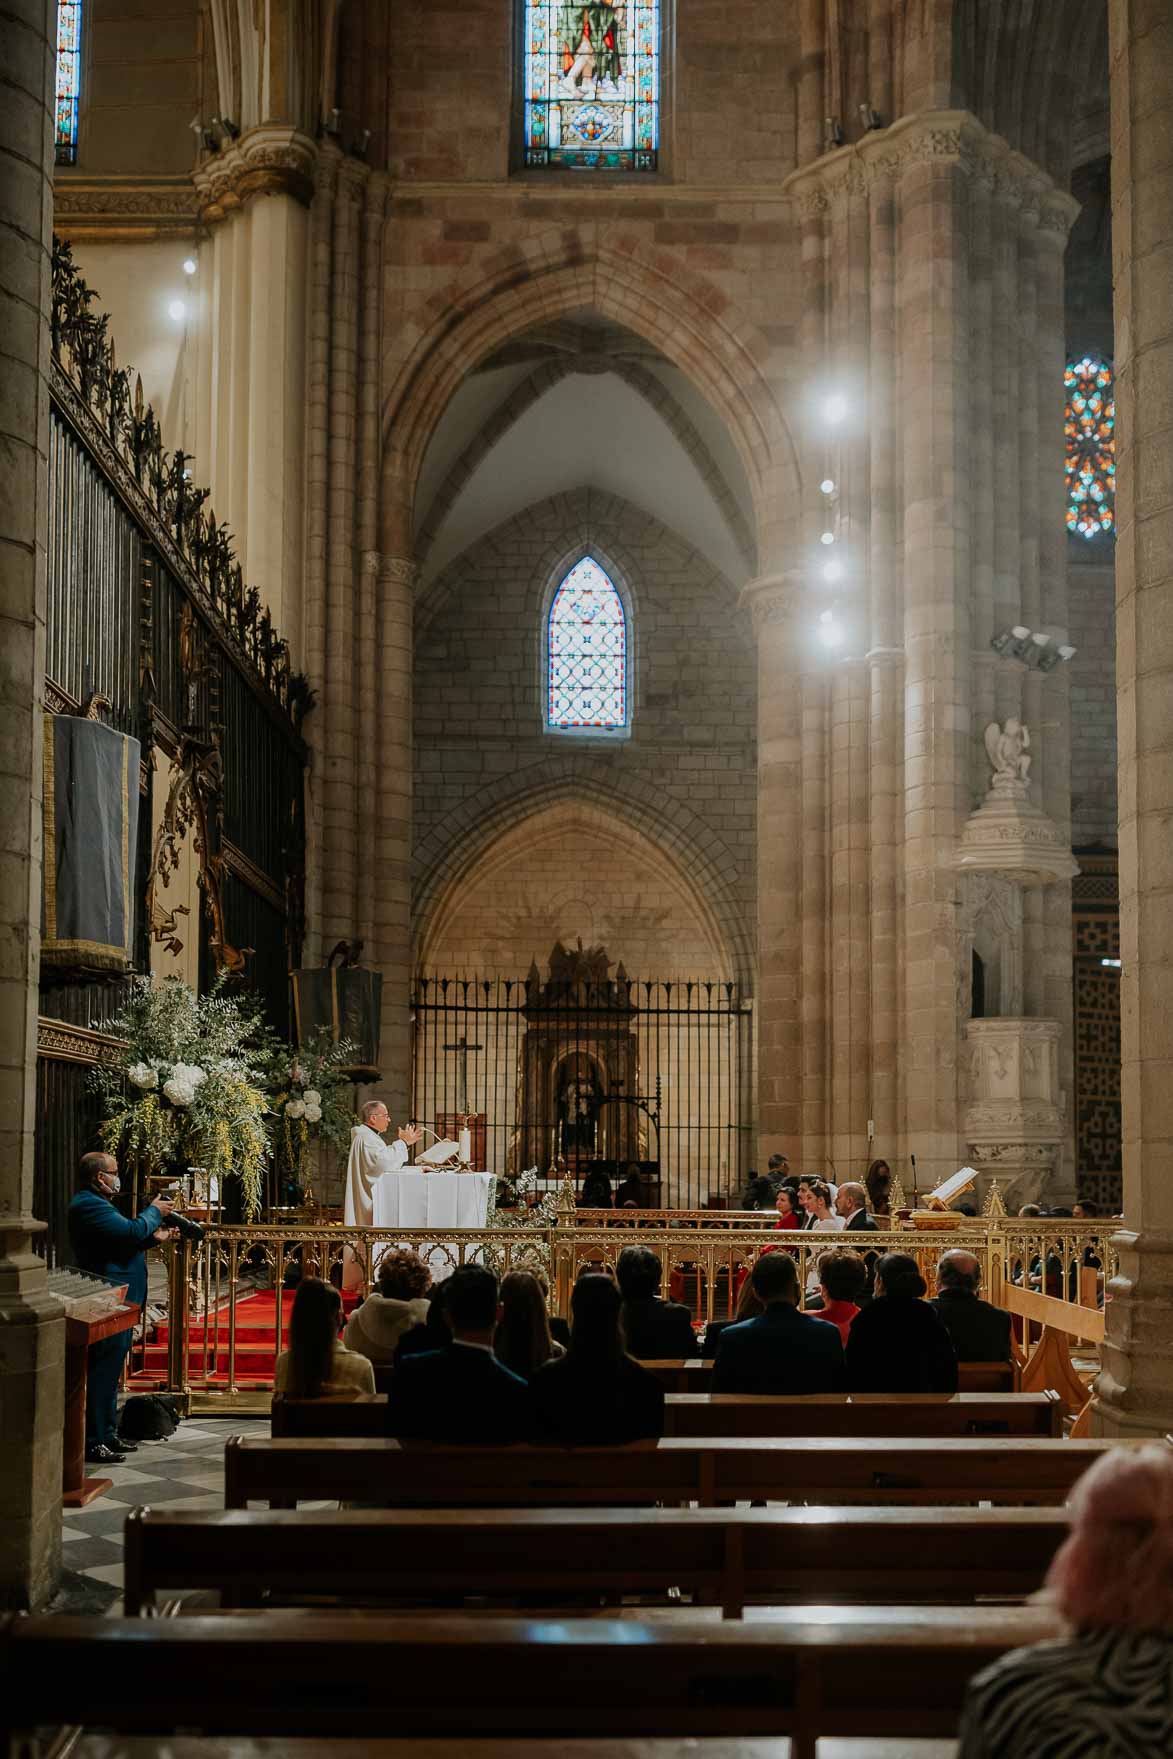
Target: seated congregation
{"x": 470, "y": 1361}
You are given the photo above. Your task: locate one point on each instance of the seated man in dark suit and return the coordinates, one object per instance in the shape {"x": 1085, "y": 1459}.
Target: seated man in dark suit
{"x": 852, "y": 1202}
{"x": 654, "y": 1330}
{"x": 980, "y": 1331}
{"x": 461, "y": 1393}
{"x": 783, "y": 1351}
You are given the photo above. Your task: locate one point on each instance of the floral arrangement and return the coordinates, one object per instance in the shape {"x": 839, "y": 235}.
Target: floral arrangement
{"x": 190, "y": 1084}
{"x": 311, "y": 1101}
{"x": 522, "y": 1218}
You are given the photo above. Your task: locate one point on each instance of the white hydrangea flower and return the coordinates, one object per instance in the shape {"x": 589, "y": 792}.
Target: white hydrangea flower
{"x": 312, "y": 1096}
{"x": 295, "y": 1108}
{"x": 180, "y": 1093}
{"x": 189, "y": 1073}
{"x": 142, "y": 1075}
{"x": 313, "y": 1114}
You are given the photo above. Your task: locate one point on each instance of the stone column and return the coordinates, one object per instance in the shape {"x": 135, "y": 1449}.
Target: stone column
{"x": 934, "y": 213}
{"x": 392, "y": 851}
{"x": 31, "y": 1327}
{"x": 1135, "y": 1389}
{"x": 773, "y": 603}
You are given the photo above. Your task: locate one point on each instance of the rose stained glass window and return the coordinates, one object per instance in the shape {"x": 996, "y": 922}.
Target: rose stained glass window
{"x": 586, "y": 654}
{"x": 592, "y": 85}
{"x": 1090, "y": 434}
{"x": 68, "y": 80}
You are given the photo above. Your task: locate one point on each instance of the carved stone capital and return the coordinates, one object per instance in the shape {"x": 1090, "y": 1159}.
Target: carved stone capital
{"x": 773, "y": 599}
{"x": 269, "y": 160}
{"x": 401, "y": 570}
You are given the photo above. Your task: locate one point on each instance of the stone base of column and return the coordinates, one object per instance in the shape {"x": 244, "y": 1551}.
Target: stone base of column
{"x": 1134, "y": 1392}
{"x": 32, "y": 1392}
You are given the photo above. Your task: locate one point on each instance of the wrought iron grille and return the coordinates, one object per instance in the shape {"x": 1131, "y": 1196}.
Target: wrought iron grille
{"x": 604, "y": 1076}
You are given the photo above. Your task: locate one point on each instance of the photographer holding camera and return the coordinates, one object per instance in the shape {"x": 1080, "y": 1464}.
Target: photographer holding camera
{"x": 108, "y": 1244}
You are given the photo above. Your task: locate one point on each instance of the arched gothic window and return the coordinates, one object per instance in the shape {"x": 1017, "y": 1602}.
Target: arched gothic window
{"x": 586, "y": 654}
{"x": 1090, "y": 433}
{"x": 591, "y": 84}
{"x": 68, "y": 80}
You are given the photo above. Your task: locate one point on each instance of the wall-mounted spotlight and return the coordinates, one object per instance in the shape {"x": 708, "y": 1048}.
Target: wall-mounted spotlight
{"x": 1114, "y": 963}
{"x": 1035, "y": 649}
{"x": 827, "y": 537}
{"x": 832, "y": 133}
{"x": 827, "y": 486}
{"x": 189, "y": 265}
{"x": 870, "y": 118}
{"x": 231, "y": 129}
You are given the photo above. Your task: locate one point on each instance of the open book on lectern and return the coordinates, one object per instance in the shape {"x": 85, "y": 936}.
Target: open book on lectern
{"x": 950, "y": 1189}
{"x": 439, "y": 1155}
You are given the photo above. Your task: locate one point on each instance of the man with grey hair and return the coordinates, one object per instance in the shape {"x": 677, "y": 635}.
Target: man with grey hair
{"x": 370, "y": 1159}
{"x": 979, "y": 1330}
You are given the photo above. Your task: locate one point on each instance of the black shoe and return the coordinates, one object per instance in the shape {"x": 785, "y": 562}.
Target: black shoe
{"x": 98, "y": 1454}
{"x": 124, "y": 1445}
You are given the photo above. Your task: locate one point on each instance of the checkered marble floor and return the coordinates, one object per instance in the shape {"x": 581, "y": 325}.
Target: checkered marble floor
{"x": 185, "y": 1472}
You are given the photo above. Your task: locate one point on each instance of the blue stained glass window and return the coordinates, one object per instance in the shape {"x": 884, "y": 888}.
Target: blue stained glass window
{"x": 586, "y": 654}
{"x": 1090, "y": 435}
{"x": 592, "y": 84}
{"x": 68, "y": 80}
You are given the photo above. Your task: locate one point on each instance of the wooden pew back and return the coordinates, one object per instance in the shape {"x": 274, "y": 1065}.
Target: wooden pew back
{"x": 736, "y": 1414}
{"x": 919, "y": 1470}
{"x": 724, "y": 1557}
{"x": 340, "y": 1678}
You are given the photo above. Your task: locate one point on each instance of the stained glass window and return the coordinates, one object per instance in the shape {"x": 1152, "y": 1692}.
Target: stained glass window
{"x": 586, "y": 653}
{"x": 1090, "y": 432}
{"x": 592, "y": 84}
{"x": 68, "y": 80}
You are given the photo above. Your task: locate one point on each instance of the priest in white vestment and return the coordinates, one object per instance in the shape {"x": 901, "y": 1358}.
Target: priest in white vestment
{"x": 370, "y": 1159}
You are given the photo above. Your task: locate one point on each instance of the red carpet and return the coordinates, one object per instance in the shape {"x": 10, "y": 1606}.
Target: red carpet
{"x": 256, "y": 1342}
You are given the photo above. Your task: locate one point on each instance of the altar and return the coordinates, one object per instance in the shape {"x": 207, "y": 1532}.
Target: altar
{"x": 432, "y": 1200}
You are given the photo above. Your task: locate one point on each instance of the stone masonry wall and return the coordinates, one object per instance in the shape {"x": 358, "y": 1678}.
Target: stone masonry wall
{"x": 479, "y": 736}
{"x": 1092, "y": 623}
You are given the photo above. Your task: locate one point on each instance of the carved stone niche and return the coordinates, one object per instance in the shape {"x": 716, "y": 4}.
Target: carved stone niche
{"x": 1013, "y": 1123}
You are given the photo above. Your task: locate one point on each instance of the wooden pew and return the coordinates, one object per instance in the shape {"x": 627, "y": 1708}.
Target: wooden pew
{"x": 737, "y": 1414}
{"x": 461, "y": 1676}
{"x": 880, "y": 1469}
{"x": 860, "y": 1414}
{"x": 973, "y": 1377}
{"x": 723, "y": 1557}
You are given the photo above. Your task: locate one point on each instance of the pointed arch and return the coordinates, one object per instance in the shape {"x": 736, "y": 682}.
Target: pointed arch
{"x": 452, "y": 847}
{"x": 650, "y": 292}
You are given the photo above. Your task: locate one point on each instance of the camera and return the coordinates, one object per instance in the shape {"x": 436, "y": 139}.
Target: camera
{"x": 183, "y": 1224}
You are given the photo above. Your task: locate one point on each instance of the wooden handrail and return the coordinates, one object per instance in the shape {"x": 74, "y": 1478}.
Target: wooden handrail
{"x": 1064, "y": 1316}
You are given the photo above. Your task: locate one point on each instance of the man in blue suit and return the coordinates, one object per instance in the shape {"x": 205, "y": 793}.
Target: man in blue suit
{"x": 108, "y": 1244}
{"x": 461, "y": 1393}
{"x": 782, "y": 1351}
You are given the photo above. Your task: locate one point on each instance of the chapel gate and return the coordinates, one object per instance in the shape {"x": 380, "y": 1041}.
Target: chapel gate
{"x": 603, "y": 1072}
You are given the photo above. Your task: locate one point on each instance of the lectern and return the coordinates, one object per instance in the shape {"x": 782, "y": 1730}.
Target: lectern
{"x": 94, "y": 1310}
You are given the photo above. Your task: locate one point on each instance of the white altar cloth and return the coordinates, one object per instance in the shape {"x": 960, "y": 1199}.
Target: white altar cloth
{"x": 432, "y": 1200}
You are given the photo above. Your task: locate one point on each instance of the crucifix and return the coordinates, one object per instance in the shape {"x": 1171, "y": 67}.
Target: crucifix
{"x": 462, "y": 1047}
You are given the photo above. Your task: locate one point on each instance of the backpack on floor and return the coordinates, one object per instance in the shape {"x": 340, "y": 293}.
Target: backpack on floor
{"x": 150, "y": 1417}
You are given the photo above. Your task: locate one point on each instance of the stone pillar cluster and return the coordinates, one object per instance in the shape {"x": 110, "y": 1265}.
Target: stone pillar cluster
{"x": 930, "y": 253}
{"x": 250, "y": 404}
{"x": 32, "y": 1330}
{"x": 1135, "y": 1390}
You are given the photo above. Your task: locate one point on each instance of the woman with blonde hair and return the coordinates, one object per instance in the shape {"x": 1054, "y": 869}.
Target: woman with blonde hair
{"x": 522, "y": 1340}
{"x": 1103, "y": 1690}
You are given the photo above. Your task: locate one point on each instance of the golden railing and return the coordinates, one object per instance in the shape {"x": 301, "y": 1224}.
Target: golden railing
{"x": 214, "y": 1350}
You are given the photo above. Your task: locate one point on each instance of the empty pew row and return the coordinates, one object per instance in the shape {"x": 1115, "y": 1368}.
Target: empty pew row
{"x": 808, "y": 1469}
{"x": 724, "y": 1558}
{"x": 341, "y": 1678}
{"x": 735, "y": 1414}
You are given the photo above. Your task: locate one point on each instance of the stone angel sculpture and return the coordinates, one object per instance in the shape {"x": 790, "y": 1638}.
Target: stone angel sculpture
{"x": 1007, "y": 748}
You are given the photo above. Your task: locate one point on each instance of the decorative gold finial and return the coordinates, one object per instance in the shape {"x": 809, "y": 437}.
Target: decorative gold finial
{"x": 993, "y": 1204}
{"x": 896, "y": 1198}
{"x": 567, "y": 1205}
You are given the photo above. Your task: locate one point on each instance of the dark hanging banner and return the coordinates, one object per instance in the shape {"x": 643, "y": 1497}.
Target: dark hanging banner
{"x": 91, "y": 839}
